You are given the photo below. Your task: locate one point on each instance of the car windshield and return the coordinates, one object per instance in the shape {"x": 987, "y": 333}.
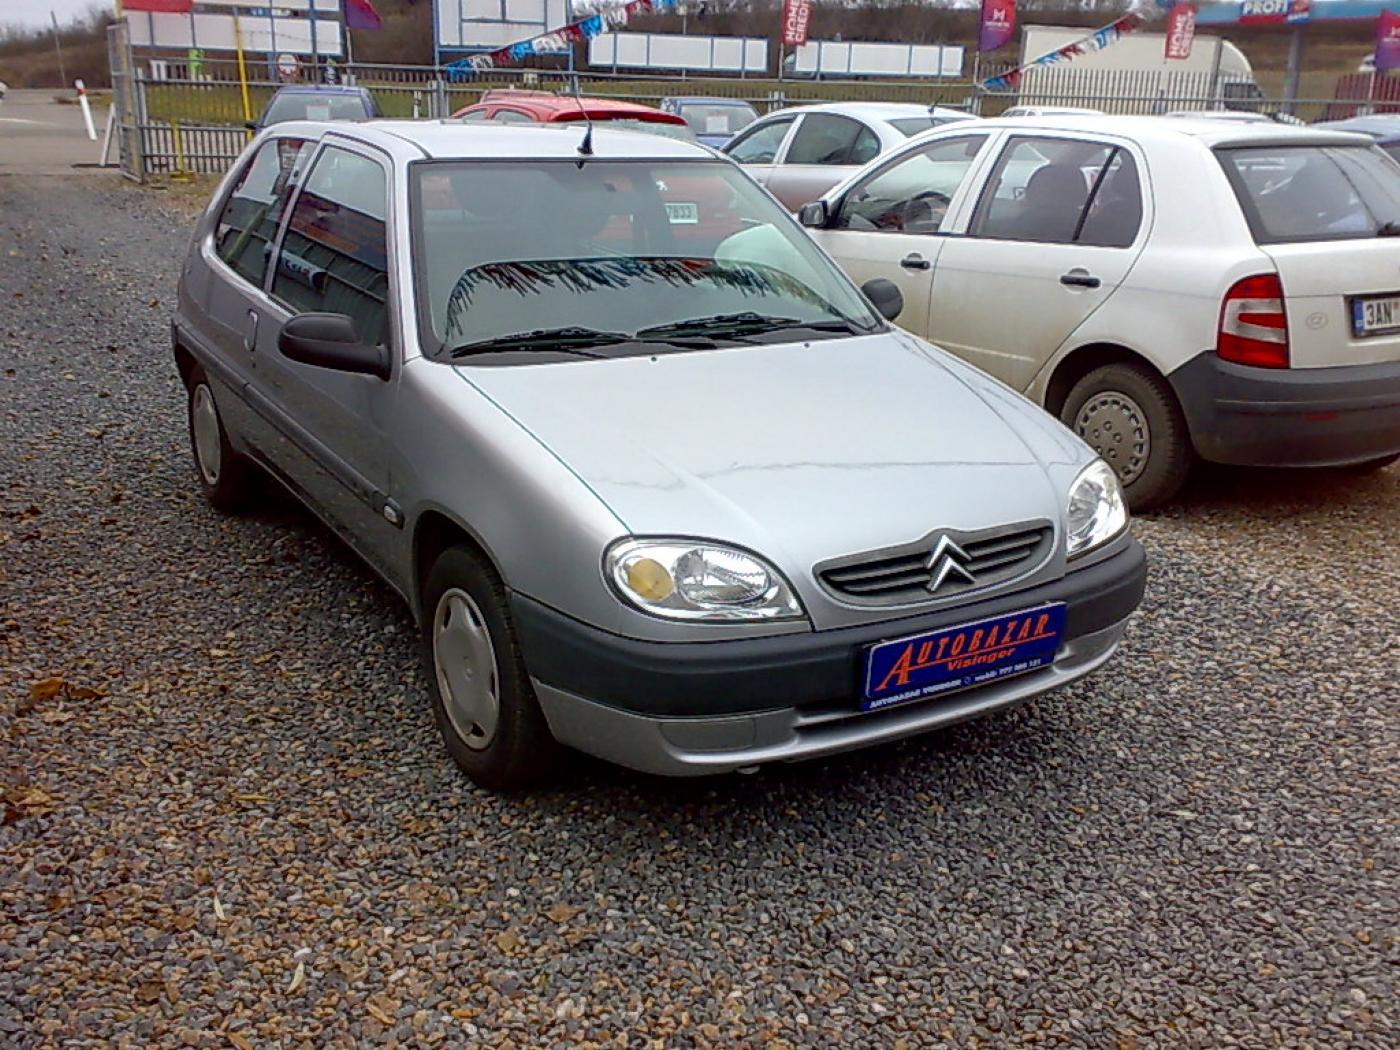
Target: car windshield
{"x": 1314, "y": 193}
{"x": 709, "y": 119}
{"x": 623, "y": 257}
{"x": 306, "y": 105}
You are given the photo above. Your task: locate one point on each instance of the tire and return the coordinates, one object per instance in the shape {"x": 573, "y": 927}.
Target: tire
{"x": 228, "y": 480}
{"x": 1129, "y": 416}
{"x": 467, "y": 628}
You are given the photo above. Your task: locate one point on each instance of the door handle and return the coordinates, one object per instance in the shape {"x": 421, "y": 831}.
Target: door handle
{"x": 1080, "y": 279}
{"x": 250, "y": 335}
{"x": 915, "y": 261}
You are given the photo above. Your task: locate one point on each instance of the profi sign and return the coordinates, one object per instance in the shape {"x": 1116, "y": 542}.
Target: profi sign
{"x": 1273, "y": 12}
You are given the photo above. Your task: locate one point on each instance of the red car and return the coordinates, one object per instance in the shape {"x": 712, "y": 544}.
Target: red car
{"x": 513, "y": 106}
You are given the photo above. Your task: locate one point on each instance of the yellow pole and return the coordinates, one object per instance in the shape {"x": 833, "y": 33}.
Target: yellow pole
{"x": 180, "y": 174}
{"x": 242, "y": 67}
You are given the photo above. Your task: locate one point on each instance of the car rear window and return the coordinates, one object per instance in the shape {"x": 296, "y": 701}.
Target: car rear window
{"x": 312, "y": 106}
{"x": 1314, "y": 193}
{"x": 911, "y": 126}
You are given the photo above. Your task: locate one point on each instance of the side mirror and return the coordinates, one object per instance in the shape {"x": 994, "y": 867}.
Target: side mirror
{"x": 329, "y": 341}
{"x": 885, "y": 296}
{"x": 251, "y": 125}
{"x": 813, "y": 214}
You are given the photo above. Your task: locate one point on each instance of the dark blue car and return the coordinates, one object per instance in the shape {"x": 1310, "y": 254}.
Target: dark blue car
{"x": 1383, "y": 127}
{"x": 714, "y": 120}
{"x": 317, "y": 102}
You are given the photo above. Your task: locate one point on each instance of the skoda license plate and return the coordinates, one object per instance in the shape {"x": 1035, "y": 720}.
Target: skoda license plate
{"x": 1379, "y": 316}
{"x": 952, "y": 658}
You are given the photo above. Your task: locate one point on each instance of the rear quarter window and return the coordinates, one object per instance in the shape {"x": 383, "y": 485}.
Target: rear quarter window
{"x": 1313, "y": 193}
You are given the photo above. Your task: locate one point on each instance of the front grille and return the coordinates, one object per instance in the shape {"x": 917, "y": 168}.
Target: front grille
{"x": 906, "y": 574}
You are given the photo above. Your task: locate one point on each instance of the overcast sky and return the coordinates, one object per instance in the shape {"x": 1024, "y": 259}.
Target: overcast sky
{"x": 36, "y": 12}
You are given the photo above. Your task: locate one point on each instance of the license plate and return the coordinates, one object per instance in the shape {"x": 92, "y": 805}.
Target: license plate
{"x": 1377, "y": 316}
{"x": 683, "y": 214}
{"x": 970, "y": 654}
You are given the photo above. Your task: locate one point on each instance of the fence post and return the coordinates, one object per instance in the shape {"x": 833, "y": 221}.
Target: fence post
{"x": 439, "y": 99}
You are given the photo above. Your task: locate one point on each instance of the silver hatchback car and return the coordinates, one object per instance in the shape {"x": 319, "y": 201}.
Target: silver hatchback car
{"x": 656, "y": 480}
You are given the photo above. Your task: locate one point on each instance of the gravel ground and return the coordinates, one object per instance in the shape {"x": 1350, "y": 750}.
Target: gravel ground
{"x": 231, "y": 822}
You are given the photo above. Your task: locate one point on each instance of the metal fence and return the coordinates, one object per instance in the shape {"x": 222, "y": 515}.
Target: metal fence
{"x": 195, "y": 122}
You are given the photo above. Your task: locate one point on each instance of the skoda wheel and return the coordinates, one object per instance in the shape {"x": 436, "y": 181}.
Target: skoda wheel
{"x": 1129, "y": 416}
{"x": 228, "y": 479}
{"x": 483, "y": 702}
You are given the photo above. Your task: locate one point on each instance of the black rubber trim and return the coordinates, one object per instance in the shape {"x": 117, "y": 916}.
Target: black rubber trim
{"x": 761, "y": 674}
{"x": 1289, "y": 416}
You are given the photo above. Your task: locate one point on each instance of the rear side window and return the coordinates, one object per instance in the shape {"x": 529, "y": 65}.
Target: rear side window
{"x": 1061, "y": 191}
{"x": 334, "y": 257}
{"x": 248, "y": 222}
{"x": 824, "y": 138}
{"x": 1313, "y": 193}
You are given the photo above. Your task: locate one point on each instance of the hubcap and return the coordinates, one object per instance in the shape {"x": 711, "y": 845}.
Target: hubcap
{"x": 1115, "y": 427}
{"x": 465, "y": 662}
{"x": 204, "y": 419}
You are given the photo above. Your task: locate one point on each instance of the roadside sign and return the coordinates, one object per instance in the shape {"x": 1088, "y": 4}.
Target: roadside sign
{"x": 287, "y": 66}
{"x": 1181, "y": 31}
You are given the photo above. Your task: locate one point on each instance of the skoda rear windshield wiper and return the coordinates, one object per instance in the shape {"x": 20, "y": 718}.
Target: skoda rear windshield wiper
{"x": 1389, "y": 229}
{"x": 570, "y": 339}
{"x": 747, "y": 323}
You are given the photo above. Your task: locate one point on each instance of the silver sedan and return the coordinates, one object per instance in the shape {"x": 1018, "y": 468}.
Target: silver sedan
{"x": 655, "y": 479}
{"x": 801, "y": 152}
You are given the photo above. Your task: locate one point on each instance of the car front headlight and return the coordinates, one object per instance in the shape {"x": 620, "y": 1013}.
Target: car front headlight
{"x": 699, "y": 580}
{"x": 1097, "y": 510}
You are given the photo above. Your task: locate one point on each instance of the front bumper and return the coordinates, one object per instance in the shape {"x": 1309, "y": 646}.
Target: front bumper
{"x": 709, "y": 707}
{"x": 1289, "y": 417}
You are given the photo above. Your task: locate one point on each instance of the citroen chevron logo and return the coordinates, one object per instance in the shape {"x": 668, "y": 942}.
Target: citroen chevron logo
{"x": 947, "y": 559}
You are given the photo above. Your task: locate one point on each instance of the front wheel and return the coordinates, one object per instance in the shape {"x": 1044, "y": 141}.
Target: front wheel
{"x": 483, "y": 702}
{"x": 1130, "y": 417}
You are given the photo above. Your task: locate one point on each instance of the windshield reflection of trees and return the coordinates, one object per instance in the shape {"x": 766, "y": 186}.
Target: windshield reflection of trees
{"x": 584, "y": 276}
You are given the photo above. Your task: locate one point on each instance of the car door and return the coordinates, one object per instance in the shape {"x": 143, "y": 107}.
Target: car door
{"x": 334, "y": 257}
{"x": 236, "y": 254}
{"x": 825, "y": 149}
{"x": 1059, "y": 221}
{"x": 759, "y": 145}
{"x": 889, "y": 224}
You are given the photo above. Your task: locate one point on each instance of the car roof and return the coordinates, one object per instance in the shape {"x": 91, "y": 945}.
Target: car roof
{"x": 320, "y": 89}
{"x": 869, "y": 110}
{"x": 1210, "y": 133}
{"x": 453, "y": 140}
{"x": 709, "y": 100}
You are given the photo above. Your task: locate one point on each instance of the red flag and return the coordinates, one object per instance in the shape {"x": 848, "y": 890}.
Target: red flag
{"x": 360, "y": 14}
{"x": 797, "y": 14}
{"x": 1181, "y": 31}
{"x": 168, "y": 7}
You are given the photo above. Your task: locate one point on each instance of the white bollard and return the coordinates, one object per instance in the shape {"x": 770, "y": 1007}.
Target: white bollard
{"x": 87, "y": 110}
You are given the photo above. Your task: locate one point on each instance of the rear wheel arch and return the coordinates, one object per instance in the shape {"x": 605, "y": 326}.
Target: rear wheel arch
{"x": 1082, "y": 360}
{"x": 185, "y": 363}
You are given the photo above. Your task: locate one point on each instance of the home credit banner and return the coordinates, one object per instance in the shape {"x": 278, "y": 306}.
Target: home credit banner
{"x": 797, "y": 15}
{"x": 1181, "y": 31}
{"x": 165, "y": 7}
{"x": 1388, "y": 42}
{"x": 1274, "y": 12}
{"x": 998, "y": 24}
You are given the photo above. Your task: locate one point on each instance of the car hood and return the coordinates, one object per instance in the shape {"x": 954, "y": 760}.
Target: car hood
{"x": 801, "y": 452}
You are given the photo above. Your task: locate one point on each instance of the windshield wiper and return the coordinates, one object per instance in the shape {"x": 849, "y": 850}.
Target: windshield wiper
{"x": 742, "y": 324}
{"x": 570, "y": 339}
{"x": 1389, "y": 229}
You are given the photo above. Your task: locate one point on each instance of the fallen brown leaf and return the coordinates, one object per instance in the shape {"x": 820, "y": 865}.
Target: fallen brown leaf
{"x": 562, "y": 912}
{"x": 508, "y": 941}
{"x": 46, "y": 688}
{"x": 379, "y": 1015}
{"x": 238, "y": 1041}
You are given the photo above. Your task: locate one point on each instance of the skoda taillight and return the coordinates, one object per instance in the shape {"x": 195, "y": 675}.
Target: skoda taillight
{"x": 1253, "y": 325}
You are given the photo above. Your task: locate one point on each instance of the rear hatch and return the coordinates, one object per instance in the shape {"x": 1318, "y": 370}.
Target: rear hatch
{"x": 1329, "y": 218}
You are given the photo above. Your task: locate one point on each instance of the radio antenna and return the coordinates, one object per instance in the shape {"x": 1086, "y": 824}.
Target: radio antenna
{"x": 585, "y": 148}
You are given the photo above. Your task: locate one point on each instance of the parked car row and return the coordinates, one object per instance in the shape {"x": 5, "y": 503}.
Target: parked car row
{"x": 661, "y": 482}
